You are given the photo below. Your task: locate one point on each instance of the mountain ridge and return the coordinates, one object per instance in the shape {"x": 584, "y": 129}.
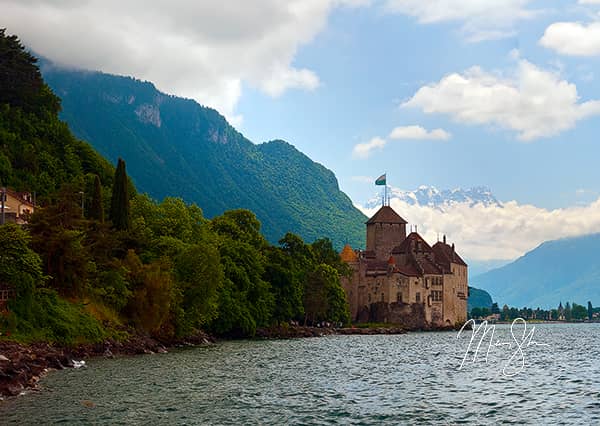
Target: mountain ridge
{"x": 431, "y": 196}
{"x": 177, "y": 147}
{"x": 564, "y": 270}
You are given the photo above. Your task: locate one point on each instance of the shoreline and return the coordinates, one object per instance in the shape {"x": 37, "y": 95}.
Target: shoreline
{"x": 23, "y": 365}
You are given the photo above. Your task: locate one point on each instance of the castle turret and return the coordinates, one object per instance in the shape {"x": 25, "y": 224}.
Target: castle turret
{"x": 385, "y": 230}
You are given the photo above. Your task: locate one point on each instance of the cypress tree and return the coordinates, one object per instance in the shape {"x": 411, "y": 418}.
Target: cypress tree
{"x": 96, "y": 211}
{"x": 119, "y": 203}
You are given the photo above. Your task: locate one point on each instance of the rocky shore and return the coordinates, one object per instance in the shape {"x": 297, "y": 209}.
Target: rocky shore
{"x": 21, "y": 366}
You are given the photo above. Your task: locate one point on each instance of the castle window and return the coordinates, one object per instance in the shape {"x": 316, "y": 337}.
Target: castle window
{"x": 369, "y": 297}
{"x": 382, "y": 297}
{"x": 399, "y": 297}
{"x": 418, "y": 297}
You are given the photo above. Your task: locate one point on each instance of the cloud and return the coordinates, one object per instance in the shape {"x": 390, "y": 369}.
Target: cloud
{"x": 363, "y": 150}
{"x": 419, "y": 133}
{"x": 533, "y": 102}
{"x": 573, "y": 38}
{"x": 205, "y": 50}
{"x": 481, "y": 19}
{"x": 498, "y": 232}
{"x": 589, "y": 2}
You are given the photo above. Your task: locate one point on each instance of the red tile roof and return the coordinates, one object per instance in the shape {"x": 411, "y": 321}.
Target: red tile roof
{"x": 411, "y": 240}
{"x": 386, "y": 215}
{"x": 445, "y": 254}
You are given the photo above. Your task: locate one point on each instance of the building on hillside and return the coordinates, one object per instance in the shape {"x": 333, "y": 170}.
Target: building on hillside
{"x": 6, "y": 293}
{"x": 17, "y": 206}
{"x": 401, "y": 279}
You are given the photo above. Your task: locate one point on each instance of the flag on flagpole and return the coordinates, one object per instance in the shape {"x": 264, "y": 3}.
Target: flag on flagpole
{"x": 381, "y": 180}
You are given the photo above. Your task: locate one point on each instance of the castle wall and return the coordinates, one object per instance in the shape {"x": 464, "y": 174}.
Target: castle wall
{"x": 455, "y": 295}
{"x": 383, "y": 237}
{"x": 411, "y": 316}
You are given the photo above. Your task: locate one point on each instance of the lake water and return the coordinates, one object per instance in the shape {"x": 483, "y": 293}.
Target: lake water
{"x": 401, "y": 379}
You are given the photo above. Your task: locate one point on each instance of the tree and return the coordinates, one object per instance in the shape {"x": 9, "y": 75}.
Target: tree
{"x": 20, "y": 266}
{"x": 568, "y": 312}
{"x": 58, "y": 237}
{"x": 579, "y": 312}
{"x": 315, "y": 296}
{"x": 152, "y": 297}
{"x": 590, "y": 310}
{"x": 495, "y": 309}
{"x": 246, "y": 301}
{"x": 96, "y": 211}
{"x": 286, "y": 283}
{"x": 119, "y": 203}
{"x": 21, "y": 83}
{"x": 199, "y": 278}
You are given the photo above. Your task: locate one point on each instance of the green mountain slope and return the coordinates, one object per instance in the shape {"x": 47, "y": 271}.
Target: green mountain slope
{"x": 478, "y": 299}
{"x": 176, "y": 147}
{"x": 561, "y": 270}
{"x": 38, "y": 153}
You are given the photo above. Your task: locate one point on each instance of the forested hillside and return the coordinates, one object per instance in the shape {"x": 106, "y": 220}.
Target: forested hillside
{"x": 176, "y": 147}
{"x": 124, "y": 264}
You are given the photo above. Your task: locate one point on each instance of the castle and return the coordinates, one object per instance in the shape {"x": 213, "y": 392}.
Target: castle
{"x": 401, "y": 279}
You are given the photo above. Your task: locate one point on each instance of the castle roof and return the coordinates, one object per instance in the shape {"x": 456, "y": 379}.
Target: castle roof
{"x": 386, "y": 215}
{"x": 376, "y": 267}
{"x": 412, "y": 240}
{"x": 445, "y": 254}
{"x": 348, "y": 255}
{"x": 419, "y": 256}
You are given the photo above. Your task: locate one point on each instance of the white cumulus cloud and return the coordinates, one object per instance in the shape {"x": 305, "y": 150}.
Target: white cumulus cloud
{"x": 573, "y": 38}
{"x": 485, "y": 232}
{"x": 363, "y": 150}
{"x": 481, "y": 19}
{"x": 419, "y": 133}
{"x": 201, "y": 49}
{"x": 531, "y": 101}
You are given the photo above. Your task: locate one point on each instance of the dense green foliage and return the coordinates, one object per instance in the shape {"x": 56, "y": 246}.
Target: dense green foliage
{"x": 96, "y": 211}
{"x": 156, "y": 268}
{"x": 119, "y": 202}
{"x": 174, "y": 146}
{"x": 38, "y": 153}
{"x": 567, "y": 312}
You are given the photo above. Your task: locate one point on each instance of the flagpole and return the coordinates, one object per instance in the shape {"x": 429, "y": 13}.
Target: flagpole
{"x": 385, "y": 190}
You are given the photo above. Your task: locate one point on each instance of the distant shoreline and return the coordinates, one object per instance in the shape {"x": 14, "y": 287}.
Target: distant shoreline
{"x": 536, "y": 321}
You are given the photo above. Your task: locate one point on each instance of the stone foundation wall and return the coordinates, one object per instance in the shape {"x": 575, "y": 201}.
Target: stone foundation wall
{"x": 410, "y": 316}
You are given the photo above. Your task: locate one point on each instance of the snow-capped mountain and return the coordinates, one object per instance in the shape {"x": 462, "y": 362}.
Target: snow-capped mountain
{"x": 433, "y": 197}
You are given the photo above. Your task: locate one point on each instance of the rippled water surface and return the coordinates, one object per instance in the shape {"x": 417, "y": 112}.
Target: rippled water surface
{"x": 404, "y": 379}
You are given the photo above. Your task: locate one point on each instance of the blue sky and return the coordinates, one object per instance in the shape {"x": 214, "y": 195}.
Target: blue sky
{"x": 370, "y": 62}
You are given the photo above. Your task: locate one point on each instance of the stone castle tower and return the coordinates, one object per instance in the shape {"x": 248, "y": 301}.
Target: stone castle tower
{"x": 401, "y": 279}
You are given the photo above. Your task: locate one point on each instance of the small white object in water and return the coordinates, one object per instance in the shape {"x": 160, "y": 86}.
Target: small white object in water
{"x": 78, "y": 364}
